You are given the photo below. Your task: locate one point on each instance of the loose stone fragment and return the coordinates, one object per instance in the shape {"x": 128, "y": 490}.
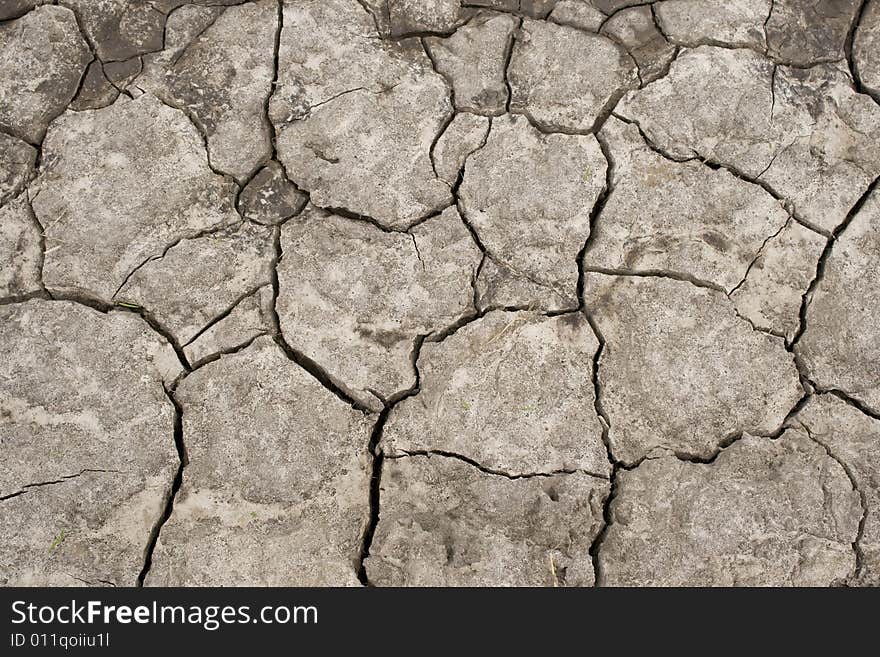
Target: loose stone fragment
{"x": 249, "y": 318}
{"x": 198, "y": 279}
{"x": 20, "y": 250}
{"x": 299, "y": 521}
{"x": 866, "y": 48}
{"x": 853, "y": 439}
{"x": 354, "y": 298}
{"x": 733, "y": 23}
{"x": 807, "y": 133}
{"x": 680, "y": 370}
{"x": 529, "y": 197}
{"x": 270, "y": 198}
{"x": 474, "y": 59}
{"x": 417, "y": 16}
{"x": 96, "y": 91}
{"x": 464, "y": 135}
{"x": 581, "y": 14}
{"x": 765, "y": 513}
{"x": 223, "y": 78}
{"x": 839, "y": 346}
{"x": 119, "y": 186}
{"x": 446, "y": 523}
{"x": 42, "y": 58}
{"x": 17, "y": 160}
{"x": 512, "y": 391}
{"x": 771, "y": 294}
{"x": 87, "y": 434}
{"x": 806, "y": 32}
{"x": 635, "y": 28}
{"x": 564, "y": 79}
{"x": 680, "y": 217}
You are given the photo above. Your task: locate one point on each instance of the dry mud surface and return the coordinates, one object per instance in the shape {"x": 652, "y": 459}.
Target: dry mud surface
{"x": 434, "y": 292}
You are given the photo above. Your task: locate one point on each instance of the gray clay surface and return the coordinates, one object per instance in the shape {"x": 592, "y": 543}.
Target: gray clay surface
{"x": 435, "y": 292}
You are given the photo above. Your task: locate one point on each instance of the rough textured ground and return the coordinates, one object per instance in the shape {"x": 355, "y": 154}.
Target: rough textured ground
{"x": 435, "y": 292}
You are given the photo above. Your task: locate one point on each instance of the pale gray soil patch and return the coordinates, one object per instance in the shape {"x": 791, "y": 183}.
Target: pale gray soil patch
{"x": 440, "y": 292}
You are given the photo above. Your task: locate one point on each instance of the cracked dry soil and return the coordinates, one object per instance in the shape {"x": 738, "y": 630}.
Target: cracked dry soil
{"x": 434, "y": 292}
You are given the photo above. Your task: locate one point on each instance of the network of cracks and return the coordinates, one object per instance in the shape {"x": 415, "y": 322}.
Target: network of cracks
{"x": 399, "y": 292}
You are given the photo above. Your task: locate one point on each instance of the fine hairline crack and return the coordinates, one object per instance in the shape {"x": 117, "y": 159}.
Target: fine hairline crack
{"x": 734, "y": 171}
{"x": 62, "y": 479}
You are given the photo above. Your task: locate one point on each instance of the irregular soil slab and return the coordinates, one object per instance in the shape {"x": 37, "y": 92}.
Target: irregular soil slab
{"x": 866, "y": 48}
{"x": 609, "y": 7}
{"x": 17, "y": 160}
{"x": 734, "y": 23}
{"x": 474, "y": 59}
{"x": 853, "y": 439}
{"x": 680, "y": 370}
{"x": 772, "y": 293}
{"x": 42, "y": 58}
{"x": 15, "y": 8}
{"x": 581, "y": 14}
{"x": 446, "y": 523}
{"x": 636, "y": 30}
{"x": 247, "y": 319}
{"x": 197, "y": 280}
{"x": 564, "y": 79}
{"x": 118, "y": 187}
{"x": 419, "y": 16}
{"x": 533, "y": 8}
{"x": 529, "y": 198}
{"x": 359, "y": 136}
{"x": 498, "y": 286}
{"x": 299, "y": 523}
{"x": 354, "y": 298}
{"x": 682, "y": 217}
{"x": 806, "y": 32}
{"x": 122, "y": 29}
{"x": 270, "y": 198}
{"x": 223, "y": 78}
{"x": 88, "y": 444}
{"x": 795, "y": 32}
{"x": 839, "y": 346}
{"x": 21, "y": 254}
{"x": 183, "y": 27}
{"x": 834, "y": 153}
{"x": 369, "y": 152}
{"x": 465, "y": 134}
{"x": 317, "y": 35}
{"x": 804, "y": 132}
{"x": 95, "y": 91}
{"x": 512, "y": 391}
{"x": 765, "y": 513}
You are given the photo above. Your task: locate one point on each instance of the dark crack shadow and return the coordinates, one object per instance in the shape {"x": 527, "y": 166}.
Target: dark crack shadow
{"x": 175, "y": 488}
